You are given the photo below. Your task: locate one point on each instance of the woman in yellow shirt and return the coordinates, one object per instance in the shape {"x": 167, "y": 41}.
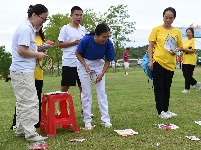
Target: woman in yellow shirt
{"x": 38, "y": 72}
{"x": 163, "y": 60}
{"x": 189, "y": 61}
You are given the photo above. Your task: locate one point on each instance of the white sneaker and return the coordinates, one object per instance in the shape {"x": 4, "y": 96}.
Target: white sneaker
{"x": 88, "y": 126}
{"x": 126, "y": 73}
{"x": 171, "y": 113}
{"x": 164, "y": 115}
{"x": 14, "y": 128}
{"x": 36, "y": 137}
{"x": 185, "y": 91}
{"x": 198, "y": 86}
{"x": 106, "y": 124}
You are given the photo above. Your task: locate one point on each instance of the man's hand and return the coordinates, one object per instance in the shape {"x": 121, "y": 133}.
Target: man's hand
{"x": 77, "y": 42}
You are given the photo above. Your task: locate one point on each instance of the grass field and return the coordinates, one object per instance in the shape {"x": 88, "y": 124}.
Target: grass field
{"x": 131, "y": 105}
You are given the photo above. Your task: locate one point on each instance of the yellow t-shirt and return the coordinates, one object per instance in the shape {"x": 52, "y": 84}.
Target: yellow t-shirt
{"x": 189, "y": 58}
{"x": 38, "y": 73}
{"x": 161, "y": 55}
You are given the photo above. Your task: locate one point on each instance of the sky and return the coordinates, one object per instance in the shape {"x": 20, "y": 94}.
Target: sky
{"x": 146, "y": 13}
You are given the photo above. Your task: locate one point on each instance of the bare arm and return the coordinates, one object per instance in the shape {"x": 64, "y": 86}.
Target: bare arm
{"x": 150, "y": 53}
{"x": 80, "y": 58}
{"x": 23, "y": 51}
{"x": 62, "y": 44}
{"x": 188, "y": 50}
{"x": 150, "y": 50}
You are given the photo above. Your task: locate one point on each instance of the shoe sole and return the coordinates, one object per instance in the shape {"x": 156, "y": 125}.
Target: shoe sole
{"x": 106, "y": 126}
{"x": 165, "y": 118}
{"x": 20, "y": 136}
{"x": 44, "y": 139}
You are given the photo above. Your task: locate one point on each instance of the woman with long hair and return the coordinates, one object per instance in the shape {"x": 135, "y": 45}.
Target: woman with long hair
{"x": 189, "y": 61}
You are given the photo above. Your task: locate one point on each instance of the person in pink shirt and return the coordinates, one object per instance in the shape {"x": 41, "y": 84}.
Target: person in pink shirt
{"x": 126, "y": 60}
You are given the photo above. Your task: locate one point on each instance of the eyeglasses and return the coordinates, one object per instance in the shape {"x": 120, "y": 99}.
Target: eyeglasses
{"x": 44, "y": 19}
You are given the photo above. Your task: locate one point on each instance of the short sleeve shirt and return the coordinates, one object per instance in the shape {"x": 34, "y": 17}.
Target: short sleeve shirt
{"x": 23, "y": 36}
{"x": 125, "y": 56}
{"x": 69, "y": 34}
{"x": 161, "y": 55}
{"x": 92, "y": 51}
{"x": 189, "y": 58}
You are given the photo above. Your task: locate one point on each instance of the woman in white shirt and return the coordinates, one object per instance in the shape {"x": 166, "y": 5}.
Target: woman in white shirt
{"x": 24, "y": 55}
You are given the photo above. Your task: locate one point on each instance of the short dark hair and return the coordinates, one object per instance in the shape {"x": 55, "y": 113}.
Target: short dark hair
{"x": 170, "y": 9}
{"x": 41, "y": 33}
{"x": 75, "y": 8}
{"x": 100, "y": 28}
{"x": 192, "y": 30}
{"x": 37, "y": 9}
{"x": 127, "y": 48}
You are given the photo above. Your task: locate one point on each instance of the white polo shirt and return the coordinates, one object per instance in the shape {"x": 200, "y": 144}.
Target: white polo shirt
{"x": 69, "y": 34}
{"x": 24, "y": 35}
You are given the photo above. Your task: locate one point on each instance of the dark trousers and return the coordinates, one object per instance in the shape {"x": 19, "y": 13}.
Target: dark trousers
{"x": 162, "y": 80}
{"x": 188, "y": 75}
{"x": 7, "y": 79}
{"x": 39, "y": 86}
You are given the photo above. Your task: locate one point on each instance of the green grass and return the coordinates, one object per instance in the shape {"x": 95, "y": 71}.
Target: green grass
{"x": 131, "y": 105}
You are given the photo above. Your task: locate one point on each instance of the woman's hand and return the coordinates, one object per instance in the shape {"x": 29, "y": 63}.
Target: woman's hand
{"x": 173, "y": 52}
{"x": 150, "y": 65}
{"x": 87, "y": 69}
{"x": 99, "y": 77}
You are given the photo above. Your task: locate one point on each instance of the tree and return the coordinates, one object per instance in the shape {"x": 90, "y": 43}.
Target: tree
{"x": 116, "y": 18}
{"x": 5, "y": 62}
{"x": 51, "y": 33}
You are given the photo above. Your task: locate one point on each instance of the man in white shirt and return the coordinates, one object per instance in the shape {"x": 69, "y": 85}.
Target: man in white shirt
{"x": 68, "y": 40}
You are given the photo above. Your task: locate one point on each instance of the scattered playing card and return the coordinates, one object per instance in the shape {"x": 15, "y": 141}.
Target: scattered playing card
{"x": 192, "y": 138}
{"x": 57, "y": 92}
{"x": 198, "y": 122}
{"x": 38, "y": 146}
{"x": 77, "y": 140}
{"x": 126, "y": 132}
{"x": 168, "y": 126}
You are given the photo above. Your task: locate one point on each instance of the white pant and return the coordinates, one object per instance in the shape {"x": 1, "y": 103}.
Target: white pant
{"x": 27, "y": 103}
{"x": 86, "y": 95}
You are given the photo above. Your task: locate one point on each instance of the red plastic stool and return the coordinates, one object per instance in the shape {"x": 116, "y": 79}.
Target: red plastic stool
{"x": 66, "y": 117}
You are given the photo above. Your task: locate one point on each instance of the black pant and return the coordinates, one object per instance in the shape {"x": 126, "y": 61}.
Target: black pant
{"x": 39, "y": 86}
{"x": 188, "y": 75}
{"x": 162, "y": 80}
{"x": 7, "y": 79}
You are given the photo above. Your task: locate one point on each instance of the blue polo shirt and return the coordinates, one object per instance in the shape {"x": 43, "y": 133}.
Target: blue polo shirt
{"x": 91, "y": 50}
